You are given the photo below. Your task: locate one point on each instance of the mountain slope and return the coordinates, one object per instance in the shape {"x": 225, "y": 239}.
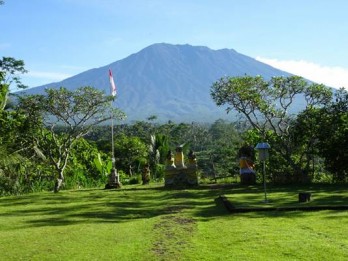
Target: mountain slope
{"x": 170, "y": 81}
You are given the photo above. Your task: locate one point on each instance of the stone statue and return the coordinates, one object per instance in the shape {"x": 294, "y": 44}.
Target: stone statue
{"x": 170, "y": 160}
{"x": 146, "y": 174}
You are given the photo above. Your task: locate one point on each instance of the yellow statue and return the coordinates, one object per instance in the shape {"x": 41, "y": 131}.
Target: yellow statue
{"x": 179, "y": 158}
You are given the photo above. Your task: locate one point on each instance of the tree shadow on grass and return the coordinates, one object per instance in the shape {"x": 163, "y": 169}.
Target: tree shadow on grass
{"x": 105, "y": 206}
{"x": 122, "y": 205}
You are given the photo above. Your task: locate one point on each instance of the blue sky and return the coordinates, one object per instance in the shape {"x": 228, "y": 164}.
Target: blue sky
{"x": 60, "y": 38}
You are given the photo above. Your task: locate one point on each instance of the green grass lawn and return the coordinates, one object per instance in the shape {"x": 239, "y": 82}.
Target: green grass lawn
{"x": 151, "y": 223}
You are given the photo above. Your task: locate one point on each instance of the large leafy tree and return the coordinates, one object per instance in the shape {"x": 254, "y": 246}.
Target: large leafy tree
{"x": 333, "y": 143}
{"x": 13, "y": 127}
{"x": 327, "y": 128}
{"x": 66, "y": 116}
{"x": 266, "y": 105}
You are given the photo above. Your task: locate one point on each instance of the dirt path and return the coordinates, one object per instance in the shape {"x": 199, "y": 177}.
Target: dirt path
{"x": 174, "y": 233}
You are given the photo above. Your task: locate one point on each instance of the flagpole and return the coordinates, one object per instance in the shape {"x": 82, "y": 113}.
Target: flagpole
{"x": 112, "y": 139}
{"x": 114, "y": 181}
{"x": 113, "y": 93}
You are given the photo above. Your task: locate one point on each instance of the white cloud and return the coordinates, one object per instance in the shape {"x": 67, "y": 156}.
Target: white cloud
{"x": 51, "y": 76}
{"x": 336, "y": 77}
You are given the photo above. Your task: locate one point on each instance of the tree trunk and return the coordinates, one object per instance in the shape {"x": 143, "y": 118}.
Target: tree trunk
{"x": 59, "y": 182}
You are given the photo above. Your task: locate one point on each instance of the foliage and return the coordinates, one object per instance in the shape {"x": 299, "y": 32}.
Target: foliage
{"x": 103, "y": 166}
{"x": 266, "y": 106}
{"x": 19, "y": 175}
{"x": 9, "y": 70}
{"x": 333, "y": 144}
{"x": 140, "y": 129}
{"x": 130, "y": 152}
{"x": 18, "y": 172}
{"x": 11, "y": 67}
{"x": 225, "y": 142}
{"x": 326, "y": 130}
{"x": 9, "y": 121}
{"x": 157, "y": 152}
{"x": 88, "y": 166}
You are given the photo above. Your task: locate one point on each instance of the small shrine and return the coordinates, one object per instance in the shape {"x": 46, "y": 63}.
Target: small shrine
{"x": 114, "y": 180}
{"x": 179, "y": 174}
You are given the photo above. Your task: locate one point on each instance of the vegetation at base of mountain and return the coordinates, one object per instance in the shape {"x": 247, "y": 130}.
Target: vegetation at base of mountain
{"x": 58, "y": 137}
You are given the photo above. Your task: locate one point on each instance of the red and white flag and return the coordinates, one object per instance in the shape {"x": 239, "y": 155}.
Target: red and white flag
{"x": 112, "y": 84}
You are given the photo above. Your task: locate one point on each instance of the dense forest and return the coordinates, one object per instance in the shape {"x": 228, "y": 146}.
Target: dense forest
{"x": 63, "y": 139}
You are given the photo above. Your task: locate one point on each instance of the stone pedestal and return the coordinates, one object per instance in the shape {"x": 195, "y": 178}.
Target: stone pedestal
{"x": 248, "y": 179}
{"x": 304, "y": 197}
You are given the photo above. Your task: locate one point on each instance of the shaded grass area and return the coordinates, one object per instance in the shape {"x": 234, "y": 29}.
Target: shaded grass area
{"x": 152, "y": 223}
{"x": 286, "y": 199}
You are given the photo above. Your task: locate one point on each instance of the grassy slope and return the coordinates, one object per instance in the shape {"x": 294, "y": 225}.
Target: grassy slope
{"x": 151, "y": 223}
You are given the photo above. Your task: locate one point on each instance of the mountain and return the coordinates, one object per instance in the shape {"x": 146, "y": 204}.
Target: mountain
{"x": 170, "y": 81}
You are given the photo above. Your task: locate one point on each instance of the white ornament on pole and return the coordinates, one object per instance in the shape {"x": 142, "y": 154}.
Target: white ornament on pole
{"x": 263, "y": 148}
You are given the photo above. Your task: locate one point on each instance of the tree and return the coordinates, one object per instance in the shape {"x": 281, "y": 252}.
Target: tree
{"x": 331, "y": 141}
{"x": 129, "y": 151}
{"x": 67, "y": 116}
{"x": 9, "y": 70}
{"x": 12, "y": 124}
{"x": 224, "y": 148}
{"x": 181, "y": 134}
{"x": 224, "y": 132}
{"x": 87, "y": 165}
{"x": 266, "y": 106}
